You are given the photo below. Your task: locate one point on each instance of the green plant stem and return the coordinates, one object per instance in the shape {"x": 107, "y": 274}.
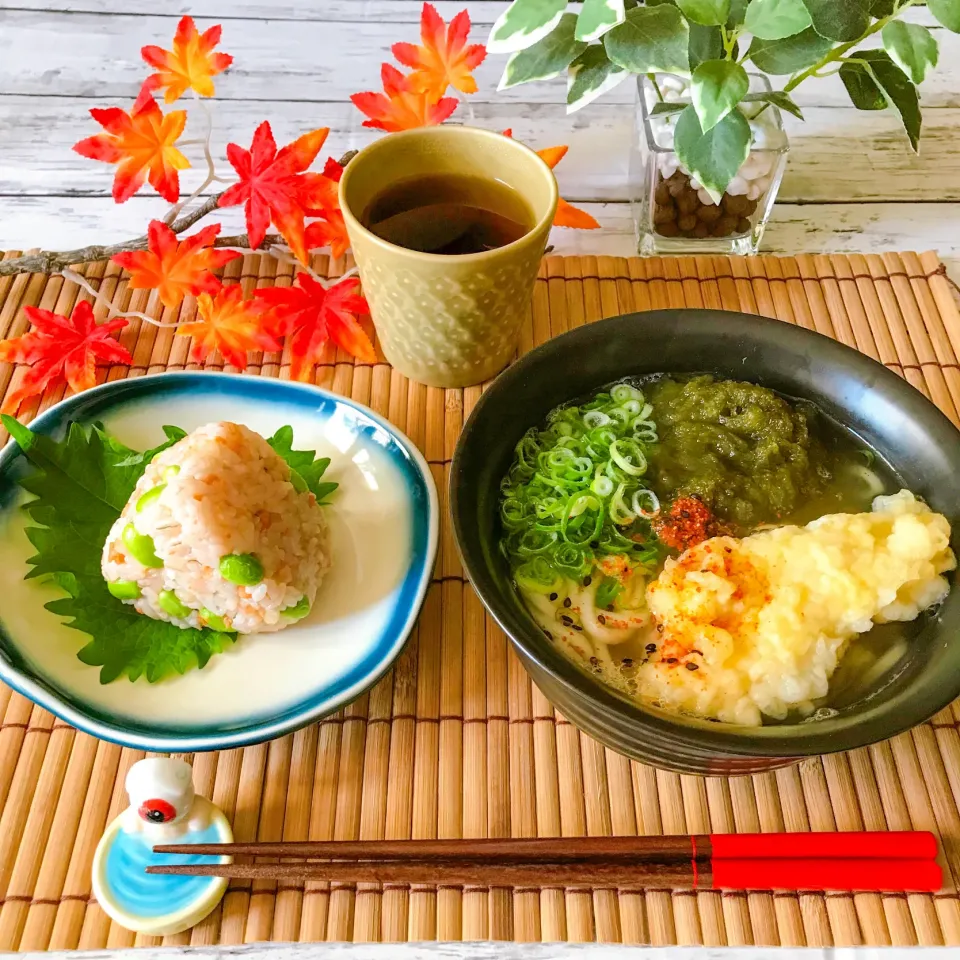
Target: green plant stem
{"x": 652, "y": 77}
{"x": 838, "y": 53}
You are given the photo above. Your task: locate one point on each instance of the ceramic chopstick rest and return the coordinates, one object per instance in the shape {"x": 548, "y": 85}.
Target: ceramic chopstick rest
{"x": 163, "y": 809}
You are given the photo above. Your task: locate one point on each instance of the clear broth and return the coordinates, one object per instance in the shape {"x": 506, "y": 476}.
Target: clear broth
{"x": 449, "y": 214}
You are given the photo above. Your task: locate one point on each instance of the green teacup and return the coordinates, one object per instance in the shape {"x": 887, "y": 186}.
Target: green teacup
{"x": 448, "y": 320}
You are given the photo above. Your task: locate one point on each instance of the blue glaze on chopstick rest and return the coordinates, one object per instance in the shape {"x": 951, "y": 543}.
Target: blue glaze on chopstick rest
{"x": 163, "y": 809}
{"x": 149, "y": 895}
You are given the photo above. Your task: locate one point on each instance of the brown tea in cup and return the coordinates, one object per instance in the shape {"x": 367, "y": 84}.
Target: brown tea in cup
{"x": 449, "y": 213}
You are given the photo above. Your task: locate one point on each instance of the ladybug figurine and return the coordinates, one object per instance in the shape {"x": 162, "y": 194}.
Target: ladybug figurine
{"x": 163, "y": 809}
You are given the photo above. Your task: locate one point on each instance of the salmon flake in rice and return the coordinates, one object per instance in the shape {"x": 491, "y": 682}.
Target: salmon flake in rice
{"x": 217, "y": 535}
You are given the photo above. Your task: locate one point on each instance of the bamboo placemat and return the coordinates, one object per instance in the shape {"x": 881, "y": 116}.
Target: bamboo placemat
{"x": 456, "y": 741}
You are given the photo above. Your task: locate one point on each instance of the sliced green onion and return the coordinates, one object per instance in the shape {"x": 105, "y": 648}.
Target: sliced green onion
{"x": 602, "y": 486}
{"x": 628, "y": 456}
{"x": 645, "y": 504}
{"x": 623, "y": 391}
{"x": 633, "y": 407}
{"x": 595, "y": 418}
{"x": 620, "y": 513}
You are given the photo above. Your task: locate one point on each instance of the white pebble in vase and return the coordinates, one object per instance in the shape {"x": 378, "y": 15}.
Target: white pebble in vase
{"x": 737, "y": 187}
{"x": 705, "y": 198}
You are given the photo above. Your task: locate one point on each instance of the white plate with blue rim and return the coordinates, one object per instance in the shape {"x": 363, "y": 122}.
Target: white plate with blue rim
{"x": 383, "y": 519}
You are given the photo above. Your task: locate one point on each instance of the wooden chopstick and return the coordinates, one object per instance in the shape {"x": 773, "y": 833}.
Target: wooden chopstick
{"x": 535, "y": 849}
{"x": 765, "y": 874}
{"x": 854, "y": 845}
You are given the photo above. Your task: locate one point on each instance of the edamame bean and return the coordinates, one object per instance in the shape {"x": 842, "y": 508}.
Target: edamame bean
{"x": 241, "y": 568}
{"x": 209, "y": 619}
{"x": 170, "y": 603}
{"x": 171, "y": 471}
{"x": 124, "y": 589}
{"x": 150, "y": 496}
{"x": 298, "y": 611}
{"x": 141, "y": 547}
{"x": 299, "y": 484}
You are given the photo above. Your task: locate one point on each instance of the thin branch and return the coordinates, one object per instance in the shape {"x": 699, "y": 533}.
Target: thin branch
{"x": 98, "y": 297}
{"x": 207, "y": 155}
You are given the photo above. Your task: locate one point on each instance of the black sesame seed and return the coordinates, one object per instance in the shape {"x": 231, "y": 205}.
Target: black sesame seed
{"x": 659, "y": 628}
{"x": 671, "y": 660}
{"x": 577, "y": 627}
{"x": 651, "y": 648}
{"x": 566, "y": 620}
{"x": 549, "y": 634}
{"x": 627, "y": 661}
{"x": 601, "y": 618}
{"x": 587, "y": 581}
{"x": 693, "y": 666}
{"x": 568, "y": 602}
{"x": 553, "y": 596}
{"x": 594, "y": 661}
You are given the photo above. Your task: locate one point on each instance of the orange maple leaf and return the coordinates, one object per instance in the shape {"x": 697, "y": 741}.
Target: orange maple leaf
{"x": 61, "y": 348}
{"x": 191, "y": 64}
{"x": 271, "y": 183}
{"x": 319, "y": 197}
{"x": 567, "y": 214}
{"x": 444, "y": 59}
{"x": 230, "y": 324}
{"x": 400, "y": 106}
{"x": 309, "y": 315}
{"x": 174, "y": 268}
{"x": 142, "y": 144}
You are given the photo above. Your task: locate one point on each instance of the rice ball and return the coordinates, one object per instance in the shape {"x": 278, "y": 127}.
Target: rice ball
{"x": 217, "y": 535}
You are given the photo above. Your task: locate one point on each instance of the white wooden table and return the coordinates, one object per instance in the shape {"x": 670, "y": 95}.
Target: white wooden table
{"x": 852, "y": 182}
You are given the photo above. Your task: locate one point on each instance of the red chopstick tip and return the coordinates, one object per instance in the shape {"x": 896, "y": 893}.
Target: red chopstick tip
{"x": 865, "y": 875}
{"x": 879, "y": 845}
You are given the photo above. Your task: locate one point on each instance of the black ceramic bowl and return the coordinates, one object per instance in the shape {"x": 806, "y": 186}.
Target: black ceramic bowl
{"x": 917, "y": 440}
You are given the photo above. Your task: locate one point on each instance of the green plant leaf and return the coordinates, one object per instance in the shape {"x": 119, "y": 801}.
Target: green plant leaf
{"x": 946, "y": 13}
{"x": 738, "y": 13}
{"x": 663, "y": 109}
{"x": 790, "y": 54}
{"x": 650, "y": 40}
{"x": 912, "y": 48}
{"x": 590, "y": 76}
{"x": 717, "y": 87}
{"x": 306, "y": 463}
{"x": 547, "y": 58}
{"x": 713, "y": 157}
{"x": 708, "y": 13}
{"x": 706, "y": 43}
{"x": 862, "y": 89}
{"x": 523, "y": 23}
{"x": 776, "y": 19}
{"x": 899, "y": 91}
{"x": 81, "y": 484}
{"x": 597, "y": 17}
{"x": 882, "y": 8}
{"x": 777, "y": 98}
{"x": 839, "y": 19}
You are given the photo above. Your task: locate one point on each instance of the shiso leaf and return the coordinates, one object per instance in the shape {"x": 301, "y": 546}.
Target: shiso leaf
{"x": 81, "y": 483}
{"x": 304, "y": 462}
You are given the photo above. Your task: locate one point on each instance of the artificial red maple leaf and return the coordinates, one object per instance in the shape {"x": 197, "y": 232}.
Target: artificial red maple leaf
{"x": 309, "y": 315}
{"x": 271, "y": 183}
{"x": 61, "y": 348}
{"x": 320, "y": 198}
{"x": 230, "y": 324}
{"x": 333, "y": 169}
{"x": 174, "y": 268}
{"x": 567, "y": 214}
{"x": 142, "y": 144}
{"x": 190, "y": 65}
{"x": 400, "y": 106}
{"x": 444, "y": 59}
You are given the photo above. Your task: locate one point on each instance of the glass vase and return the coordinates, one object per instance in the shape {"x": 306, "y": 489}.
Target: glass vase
{"x": 673, "y": 213}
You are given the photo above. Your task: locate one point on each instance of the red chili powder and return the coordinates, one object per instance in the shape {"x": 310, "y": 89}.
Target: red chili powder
{"x": 688, "y": 523}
